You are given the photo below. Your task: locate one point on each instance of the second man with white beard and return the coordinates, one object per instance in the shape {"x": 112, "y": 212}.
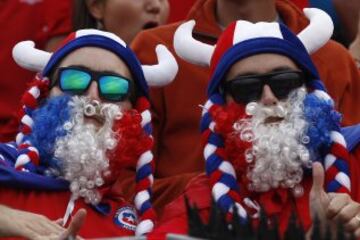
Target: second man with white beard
{"x": 271, "y": 135}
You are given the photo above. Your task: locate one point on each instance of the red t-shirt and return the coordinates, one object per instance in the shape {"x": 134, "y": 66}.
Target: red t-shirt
{"x": 179, "y": 9}
{"x": 301, "y": 3}
{"x": 36, "y": 20}
{"x": 119, "y": 220}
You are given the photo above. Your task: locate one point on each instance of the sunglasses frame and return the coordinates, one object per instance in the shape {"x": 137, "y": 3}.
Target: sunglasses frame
{"x": 95, "y": 76}
{"x": 265, "y": 79}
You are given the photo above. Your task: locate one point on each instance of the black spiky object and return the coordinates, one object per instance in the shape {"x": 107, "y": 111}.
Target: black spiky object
{"x": 218, "y": 228}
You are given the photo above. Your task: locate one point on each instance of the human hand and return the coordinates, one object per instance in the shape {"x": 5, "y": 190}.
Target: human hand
{"x": 333, "y": 208}
{"x": 319, "y": 199}
{"x": 17, "y": 223}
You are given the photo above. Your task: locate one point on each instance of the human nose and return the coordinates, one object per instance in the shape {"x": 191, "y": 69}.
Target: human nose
{"x": 268, "y": 98}
{"x": 153, "y": 6}
{"x": 93, "y": 92}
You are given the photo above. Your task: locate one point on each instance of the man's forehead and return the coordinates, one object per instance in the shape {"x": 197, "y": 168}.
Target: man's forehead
{"x": 260, "y": 64}
{"x": 96, "y": 59}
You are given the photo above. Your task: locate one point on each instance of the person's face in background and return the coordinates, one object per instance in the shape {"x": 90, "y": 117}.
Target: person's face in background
{"x": 126, "y": 18}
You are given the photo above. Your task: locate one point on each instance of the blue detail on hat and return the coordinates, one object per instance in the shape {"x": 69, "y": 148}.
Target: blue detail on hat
{"x": 352, "y": 136}
{"x": 290, "y": 46}
{"x": 124, "y": 53}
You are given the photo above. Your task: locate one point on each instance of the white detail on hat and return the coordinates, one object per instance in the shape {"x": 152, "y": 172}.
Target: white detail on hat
{"x": 245, "y": 30}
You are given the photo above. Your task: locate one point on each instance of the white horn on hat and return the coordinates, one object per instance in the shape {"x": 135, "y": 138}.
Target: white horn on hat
{"x": 190, "y": 49}
{"x": 318, "y": 32}
{"x": 164, "y": 72}
{"x": 27, "y": 56}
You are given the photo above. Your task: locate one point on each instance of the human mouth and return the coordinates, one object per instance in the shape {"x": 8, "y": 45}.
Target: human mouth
{"x": 273, "y": 120}
{"x": 151, "y": 24}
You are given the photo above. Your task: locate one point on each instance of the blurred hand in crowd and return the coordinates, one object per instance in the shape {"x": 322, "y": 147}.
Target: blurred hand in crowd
{"x": 17, "y": 223}
{"x": 333, "y": 208}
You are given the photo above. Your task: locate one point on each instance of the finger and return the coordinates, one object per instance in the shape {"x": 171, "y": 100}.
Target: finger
{"x": 59, "y": 221}
{"x": 75, "y": 225}
{"x": 348, "y": 212}
{"x": 337, "y": 204}
{"x": 318, "y": 177}
{"x": 357, "y": 233}
{"x": 352, "y": 225}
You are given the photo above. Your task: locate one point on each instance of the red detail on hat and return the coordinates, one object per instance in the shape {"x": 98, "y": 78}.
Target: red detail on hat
{"x": 34, "y": 158}
{"x": 29, "y": 100}
{"x": 26, "y": 129}
{"x": 143, "y": 184}
{"x": 24, "y": 145}
{"x": 235, "y": 196}
{"x": 331, "y": 174}
{"x": 339, "y": 151}
{"x": 221, "y": 153}
{"x": 142, "y": 104}
{"x": 215, "y": 177}
{"x": 148, "y": 214}
{"x": 69, "y": 38}
{"x": 225, "y": 42}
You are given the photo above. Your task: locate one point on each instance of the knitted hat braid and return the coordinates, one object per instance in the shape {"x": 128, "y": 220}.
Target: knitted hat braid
{"x": 144, "y": 175}
{"x": 221, "y": 173}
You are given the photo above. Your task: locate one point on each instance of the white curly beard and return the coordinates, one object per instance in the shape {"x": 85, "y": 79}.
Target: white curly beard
{"x": 82, "y": 151}
{"x": 278, "y": 151}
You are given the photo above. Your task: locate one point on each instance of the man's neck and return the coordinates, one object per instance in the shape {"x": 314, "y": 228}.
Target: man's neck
{"x": 228, "y": 11}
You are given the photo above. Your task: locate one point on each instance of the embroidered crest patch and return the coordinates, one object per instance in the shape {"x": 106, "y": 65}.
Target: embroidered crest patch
{"x": 125, "y": 217}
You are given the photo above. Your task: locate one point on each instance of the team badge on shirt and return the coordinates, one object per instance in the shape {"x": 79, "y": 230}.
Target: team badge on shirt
{"x": 126, "y": 217}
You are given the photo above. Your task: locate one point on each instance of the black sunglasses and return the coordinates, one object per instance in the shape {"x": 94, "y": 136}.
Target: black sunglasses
{"x": 245, "y": 89}
{"x": 77, "y": 80}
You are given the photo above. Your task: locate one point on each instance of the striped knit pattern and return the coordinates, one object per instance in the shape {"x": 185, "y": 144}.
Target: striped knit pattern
{"x": 28, "y": 157}
{"x": 221, "y": 173}
{"x": 144, "y": 175}
{"x": 336, "y": 162}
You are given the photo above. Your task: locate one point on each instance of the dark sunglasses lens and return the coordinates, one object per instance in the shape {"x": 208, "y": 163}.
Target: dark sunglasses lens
{"x": 74, "y": 80}
{"x": 114, "y": 88}
{"x": 245, "y": 90}
{"x": 283, "y": 83}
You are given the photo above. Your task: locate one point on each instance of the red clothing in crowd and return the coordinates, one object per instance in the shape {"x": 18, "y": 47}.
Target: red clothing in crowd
{"x": 36, "y": 20}
{"x": 179, "y": 9}
{"x": 301, "y": 3}
{"x": 176, "y": 107}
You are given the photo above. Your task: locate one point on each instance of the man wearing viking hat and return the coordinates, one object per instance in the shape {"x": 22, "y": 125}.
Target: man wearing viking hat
{"x": 270, "y": 132}
{"x": 85, "y": 117}
{"x": 176, "y": 117}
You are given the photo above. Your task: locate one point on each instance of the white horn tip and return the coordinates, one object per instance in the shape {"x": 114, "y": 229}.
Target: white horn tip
{"x": 189, "y": 49}
{"x": 163, "y": 73}
{"x": 27, "y": 56}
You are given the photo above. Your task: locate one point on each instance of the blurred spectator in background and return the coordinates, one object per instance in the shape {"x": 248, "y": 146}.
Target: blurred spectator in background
{"x": 301, "y": 3}
{"x": 348, "y": 14}
{"x": 43, "y": 21}
{"x": 125, "y": 18}
{"x": 179, "y": 9}
{"x": 354, "y": 47}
